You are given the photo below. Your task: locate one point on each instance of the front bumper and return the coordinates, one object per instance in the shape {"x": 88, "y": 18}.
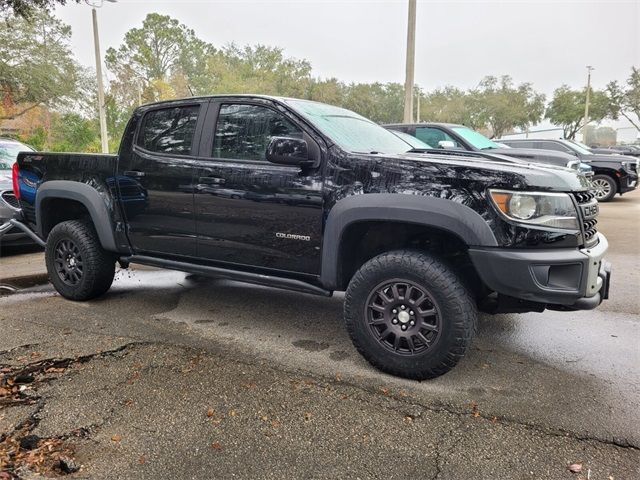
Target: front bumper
{"x": 567, "y": 278}
{"x": 629, "y": 182}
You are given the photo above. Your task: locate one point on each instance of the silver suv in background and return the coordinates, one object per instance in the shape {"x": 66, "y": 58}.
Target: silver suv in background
{"x": 8, "y": 203}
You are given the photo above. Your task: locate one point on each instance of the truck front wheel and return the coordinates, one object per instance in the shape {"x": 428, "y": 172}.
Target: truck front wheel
{"x": 604, "y": 187}
{"x": 79, "y": 268}
{"x": 409, "y": 314}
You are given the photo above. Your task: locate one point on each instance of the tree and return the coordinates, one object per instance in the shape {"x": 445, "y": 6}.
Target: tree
{"x": 380, "y": 102}
{"x": 626, "y": 101}
{"x": 26, "y": 8}
{"x": 36, "y": 65}
{"x": 452, "y": 105}
{"x": 567, "y": 108}
{"x": 503, "y": 106}
{"x": 161, "y": 47}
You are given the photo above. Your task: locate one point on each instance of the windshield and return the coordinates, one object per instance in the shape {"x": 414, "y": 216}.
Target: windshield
{"x": 9, "y": 153}
{"x": 477, "y": 140}
{"x": 350, "y": 131}
{"x": 577, "y": 147}
{"x": 411, "y": 140}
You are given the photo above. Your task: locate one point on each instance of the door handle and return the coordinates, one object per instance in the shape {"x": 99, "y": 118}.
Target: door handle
{"x": 133, "y": 173}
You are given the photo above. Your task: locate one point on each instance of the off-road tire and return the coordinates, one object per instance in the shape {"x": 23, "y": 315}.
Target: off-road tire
{"x": 98, "y": 265}
{"x": 455, "y": 305}
{"x": 613, "y": 187}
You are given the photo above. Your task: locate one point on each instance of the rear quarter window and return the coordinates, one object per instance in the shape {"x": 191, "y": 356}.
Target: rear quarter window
{"x": 169, "y": 130}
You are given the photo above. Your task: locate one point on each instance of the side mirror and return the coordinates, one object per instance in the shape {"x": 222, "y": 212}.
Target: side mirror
{"x": 288, "y": 151}
{"x": 446, "y": 144}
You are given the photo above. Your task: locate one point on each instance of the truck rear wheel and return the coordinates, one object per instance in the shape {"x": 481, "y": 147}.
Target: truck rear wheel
{"x": 409, "y": 315}
{"x": 79, "y": 268}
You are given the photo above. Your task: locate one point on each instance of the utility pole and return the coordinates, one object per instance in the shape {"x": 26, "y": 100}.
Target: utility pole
{"x": 104, "y": 140}
{"x": 411, "y": 57}
{"x": 586, "y": 105}
{"x": 417, "y": 104}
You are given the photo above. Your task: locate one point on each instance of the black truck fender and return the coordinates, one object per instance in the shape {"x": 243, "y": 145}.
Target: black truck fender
{"x": 88, "y": 196}
{"x": 440, "y": 213}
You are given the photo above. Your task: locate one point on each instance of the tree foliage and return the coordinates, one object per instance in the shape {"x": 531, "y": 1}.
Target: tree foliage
{"x": 567, "y": 108}
{"x": 625, "y": 101}
{"x": 502, "y": 106}
{"x": 162, "y": 46}
{"x": 27, "y": 8}
{"x": 36, "y": 65}
{"x": 451, "y": 105}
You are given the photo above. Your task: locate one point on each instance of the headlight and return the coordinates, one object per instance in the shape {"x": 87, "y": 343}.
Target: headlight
{"x": 552, "y": 210}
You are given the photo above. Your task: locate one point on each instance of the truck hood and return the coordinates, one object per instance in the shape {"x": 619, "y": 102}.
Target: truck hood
{"x": 501, "y": 170}
{"x": 609, "y": 159}
{"x": 534, "y": 153}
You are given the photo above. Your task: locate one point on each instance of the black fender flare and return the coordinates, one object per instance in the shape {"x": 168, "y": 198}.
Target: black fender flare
{"x": 440, "y": 213}
{"x": 88, "y": 196}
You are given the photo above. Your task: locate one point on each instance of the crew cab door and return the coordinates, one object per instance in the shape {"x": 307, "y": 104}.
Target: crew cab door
{"x": 250, "y": 211}
{"x": 155, "y": 179}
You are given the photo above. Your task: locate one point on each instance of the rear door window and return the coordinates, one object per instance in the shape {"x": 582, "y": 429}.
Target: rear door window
{"x": 169, "y": 130}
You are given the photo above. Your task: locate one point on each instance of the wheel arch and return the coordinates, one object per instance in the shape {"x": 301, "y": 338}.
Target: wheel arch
{"x": 450, "y": 218}
{"x": 92, "y": 204}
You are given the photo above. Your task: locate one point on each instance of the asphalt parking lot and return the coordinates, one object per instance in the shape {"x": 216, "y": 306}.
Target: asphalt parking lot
{"x": 170, "y": 376}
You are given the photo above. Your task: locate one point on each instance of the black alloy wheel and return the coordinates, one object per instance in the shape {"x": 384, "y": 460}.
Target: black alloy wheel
{"x": 68, "y": 262}
{"x": 403, "y": 317}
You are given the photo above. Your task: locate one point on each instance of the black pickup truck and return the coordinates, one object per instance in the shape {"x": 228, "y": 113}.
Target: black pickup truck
{"x": 309, "y": 197}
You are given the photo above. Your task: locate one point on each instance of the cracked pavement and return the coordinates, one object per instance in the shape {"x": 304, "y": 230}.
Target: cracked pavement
{"x": 170, "y": 376}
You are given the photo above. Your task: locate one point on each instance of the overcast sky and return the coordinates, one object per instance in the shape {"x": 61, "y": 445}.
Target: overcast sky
{"x": 458, "y": 42}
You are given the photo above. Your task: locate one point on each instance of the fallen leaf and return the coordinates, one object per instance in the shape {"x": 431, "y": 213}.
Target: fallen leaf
{"x": 142, "y": 460}
{"x": 385, "y": 391}
{"x": 275, "y": 424}
{"x": 408, "y": 419}
{"x": 338, "y": 377}
{"x": 575, "y": 467}
{"x": 55, "y": 370}
{"x": 210, "y": 412}
{"x": 232, "y": 413}
{"x": 116, "y": 438}
{"x": 216, "y": 446}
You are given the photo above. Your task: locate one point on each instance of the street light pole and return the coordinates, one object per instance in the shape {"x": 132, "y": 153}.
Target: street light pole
{"x": 586, "y": 105}
{"x": 411, "y": 56}
{"x": 104, "y": 140}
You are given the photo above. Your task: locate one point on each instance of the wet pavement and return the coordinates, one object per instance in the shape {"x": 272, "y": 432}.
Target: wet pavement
{"x": 177, "y": 376}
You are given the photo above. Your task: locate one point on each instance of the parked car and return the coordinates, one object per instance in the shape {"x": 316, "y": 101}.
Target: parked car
{"x": 631, "y": 150}
{"x": 612, "y": 173}
{"x": 453, "y": 136}
{"x": 8, "y": 203}
{"x": 418, "y": 241}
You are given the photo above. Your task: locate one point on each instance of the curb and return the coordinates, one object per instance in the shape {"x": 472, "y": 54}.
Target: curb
{"x": 24, "y": 281}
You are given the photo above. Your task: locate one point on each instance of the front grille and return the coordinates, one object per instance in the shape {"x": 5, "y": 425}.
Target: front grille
{"x": 589, "y": 224}
{"x": 10, "y": 199}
